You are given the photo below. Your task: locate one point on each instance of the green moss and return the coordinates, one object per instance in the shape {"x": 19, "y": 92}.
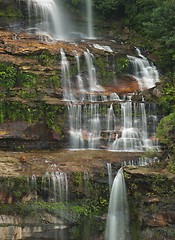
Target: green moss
{"x": 121, "y": 65}
{"x": 52, "y": 117}
{"x": 26, "y": 79}
{"x": 26, "y": 94}
{"x": 9, "y": 11}
{"x": 41, "y": 112}
{"x": 7, "y": 75}
{"x": 53, "y": 81}
{"x": 105, "y": 71}
{"x": 78, "y": 178}
{"x": 45, "y": 58}
{"x": 15, "y": 188}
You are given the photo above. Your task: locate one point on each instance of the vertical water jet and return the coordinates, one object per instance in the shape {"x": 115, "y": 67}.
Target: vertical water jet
{"x": 89, "y": 19}
{"x": 117, "y": 226}
{"x": 110, "y": 178}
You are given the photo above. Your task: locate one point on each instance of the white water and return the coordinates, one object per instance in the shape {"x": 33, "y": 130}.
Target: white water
{"x": 56, "y": 184}
{"x": 141, "y": 161}
{"x": 66, "y": 81}
{"x": 93, "y": 84}
{"x": 50, "y": 22}
{"x": 117, "y": 226}
{"x": 93, "y": 125}
{"x": 129, "y": 139}
{"x": 103, "y": 48}
{"x": 144, "y": 71}
{"x": 79, "y": 76}
{"x": 90, "y": 30}
{"x": 110, "y": 177}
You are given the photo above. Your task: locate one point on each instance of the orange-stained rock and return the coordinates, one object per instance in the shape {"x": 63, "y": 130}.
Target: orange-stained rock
{"x": 5, "y": 198}
{"x": 157, "y": 220}
{"x": 123, "y": 85}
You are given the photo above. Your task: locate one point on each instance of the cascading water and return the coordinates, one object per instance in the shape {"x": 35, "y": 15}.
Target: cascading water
{"x": 117, "y": 226}
{"x": 95, "y": 125}
{"x": 134, "y": 135}
{"x": 144, "y": 71}
{"x": 79, "y": 76}
{"x": 51, "y": 21}
{"x": 141, "y": 161}
{"x": 93, "y": 85}
{"x": 56, "y": 186}
{"x": 66, "y": 81}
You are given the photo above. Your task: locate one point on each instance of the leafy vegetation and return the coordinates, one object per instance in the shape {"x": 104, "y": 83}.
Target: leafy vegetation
{"x": 152, "y": 20}
{"x": 41, "y": 112}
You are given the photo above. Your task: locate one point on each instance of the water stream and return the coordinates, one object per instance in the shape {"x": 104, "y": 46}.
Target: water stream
{"x": 89, "y": 19}
{"x": 50, "y": 17}
{"x": 95, "y": 122}
{"x": 117, "y": 226}
{"x": 50, "y": 21}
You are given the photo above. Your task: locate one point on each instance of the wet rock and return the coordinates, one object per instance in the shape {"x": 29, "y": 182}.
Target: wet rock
{"x": 161, "y": 219}
{"x": 157, "y": 220}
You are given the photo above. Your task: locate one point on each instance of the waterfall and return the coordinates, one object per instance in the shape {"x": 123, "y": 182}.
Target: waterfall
{"x": 117, "y": 226}
{"x": 141, "y": 161}
{"x": 111, "y": 123}
{"x": 111, "y": 119}
{"x": 93, "y": 85}
{"x": 66, "y": 81}
{"x": 130, "y": 139}
{"x": 145, "y": 72}
{"x": 133, "y": 135}
{"x": 77, "y": 135}
{"x": 79, "y": 76}
{"x": 93, "y": 125}
{"x": 89, "y": 19}
{"x": 56, "y": 184}
{"x": 110, "y": 178}
{"x": 51, "y": 21}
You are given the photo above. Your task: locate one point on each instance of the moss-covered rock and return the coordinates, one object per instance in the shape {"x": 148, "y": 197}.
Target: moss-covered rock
{"x": 151, "y": 202}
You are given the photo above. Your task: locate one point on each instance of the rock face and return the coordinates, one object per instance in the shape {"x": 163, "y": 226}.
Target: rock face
{"x": 31, "y": 84}
{"x": 151, "y": 196}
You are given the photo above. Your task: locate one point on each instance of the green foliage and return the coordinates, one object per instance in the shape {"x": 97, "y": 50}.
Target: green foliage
{"x": 46, "y": 59}
{"x": 14, "y": 111}
{"x": 166, "y": 131}
{"x": 53, "y": 81}
{"x": 26, "y": 80}
{"x": 167, "y": 100}
{"x": 16, "y": 187}
{"x": 121, "y": 65}
{"x": 161, "y": 28}
{"x": 107, "y": 7}
{"x": 44, "y": 112}
{"x": 8, "y": 10}
{"x": 138, "y": 11}
{"x": 7, "y": 75}
{"x": 10, "y": 77}
{"x": 155, "y": 20}
{"x": 26, "y": 94}
{"x": 52, "y": 113}
{"x": 105, "y": 74}
{"x": 171, "y": 165}
{"x": 78, "y": 178}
